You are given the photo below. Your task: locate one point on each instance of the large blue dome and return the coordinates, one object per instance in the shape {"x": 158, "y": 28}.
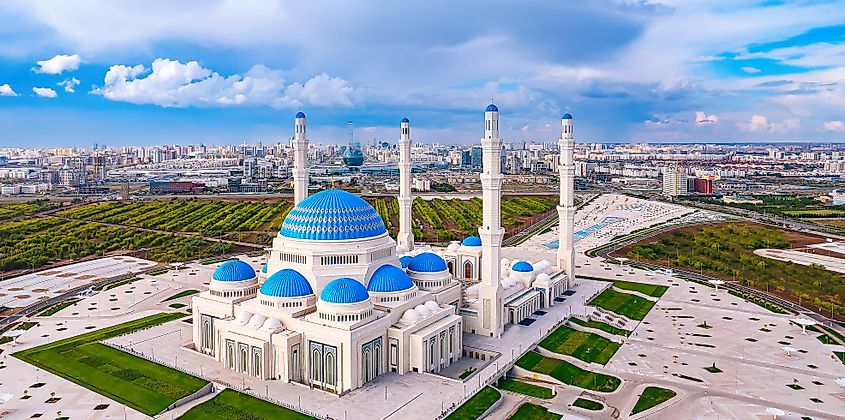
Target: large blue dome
{"x": 523, "y": 267}
{"x": 344, "y": 290}
{"x": 233, "y": 270}
{"x": 389, "y": 278}
{"x": 492, "y": 108}
{"x": 471, "y": 241}
{"x": 286, "y": 283}
{"x": 427, "y": 262}
{"x": 332, "y": 215}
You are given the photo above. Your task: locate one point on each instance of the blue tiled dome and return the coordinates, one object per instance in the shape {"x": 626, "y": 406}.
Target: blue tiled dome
{"x": 344, "y": 290}
{"x": 332, "y": 215}
{"x": 492, "y": 108}
{"x": 405, "y": 119}
{"x": 523, "y": 267}
{"x": 567, "y": 116}
{"x": 427, "y": 262}
{"x": 286, "y": 283}
{"x": 300, "y": 114}
{"x": 389, "y": 278}
{"x": 264, "y": 268}
{"x": 405, "y": 260}
{"x": 471, "y": 241}
{"x": 233, "y": 270}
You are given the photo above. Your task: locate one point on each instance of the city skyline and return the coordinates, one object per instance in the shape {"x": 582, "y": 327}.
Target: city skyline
{"x": 73, "y": 75}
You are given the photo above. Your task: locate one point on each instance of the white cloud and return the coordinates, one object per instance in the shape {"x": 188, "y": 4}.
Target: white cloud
{"x": 6, "y": 90}
{"x": 69, "y": 84}
{"x": 170, "y": 83}
{"x": 702, "y": 118}
{"x": 760, "y": 124}
{"x": 751, "y": 70}
{"x": 524, "y": 128}
{"x": 58, "y": 64}
{"x": 44, "y": 92}
{"x": 834, "y": 125}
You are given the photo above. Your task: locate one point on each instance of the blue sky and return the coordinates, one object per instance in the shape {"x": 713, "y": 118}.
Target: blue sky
{"x": 163, "y": 72}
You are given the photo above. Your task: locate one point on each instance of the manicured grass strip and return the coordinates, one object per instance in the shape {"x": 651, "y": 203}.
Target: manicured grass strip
{"x": 232, "y": 405}
{"x": 651, "y": 397}
{"x": 824, "y": 338}
{"x": 600, "y": 326}
{"x": 477, "y": 405}
{"x": 58, "y": 307}
{"x": 840, "y": 355}
{"x": 582, "y": 345}
{"x": 631, "y": 306}
{"x": 530, "y": 411}
{"x": 835, "y": 333}
{"x": 765, "y": 304}
{"x": 588, "y": 404}
{"x": 127, "y": 379}
{"x": 525, "y": 388}
{"x": 654, "y": 290}
{"x": 182, "y": 294}
{"x": 568, "y": 373}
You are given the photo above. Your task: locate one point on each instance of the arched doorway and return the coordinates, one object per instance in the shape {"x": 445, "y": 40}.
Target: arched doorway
{"x": 468, "y": 270}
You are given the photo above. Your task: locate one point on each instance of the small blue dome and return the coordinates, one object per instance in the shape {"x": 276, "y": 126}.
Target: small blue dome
{"x": 332, "y": 215}
{"x": 405, "y": 260}
{"x": 389, "y": 278}
{"x": 405, "y": 120}
{"x": 233, "y": 270}
{"x": 344, "y": 290}
{"x": 492, "y": 108}
{"x": 471, "y": 241}
{"x": 300, "y": 114}
{"x": 286, "y": 283}
{"x": 427, "y": 262}
{"x": 264, "y": 269}
{"x": 566, "y": 116}
{"x": 523, "y": 267}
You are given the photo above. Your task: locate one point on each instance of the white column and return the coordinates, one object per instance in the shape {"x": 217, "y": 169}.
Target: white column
{"x": 491, "y": 231}
{"x": 566, "y": 208}
{"x": 405, "y": 238}
{"x": 300, "y": 159}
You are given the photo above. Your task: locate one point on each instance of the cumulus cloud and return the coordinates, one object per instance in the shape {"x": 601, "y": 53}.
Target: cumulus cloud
{"x": 702, "y": 118}
{"x": 835, "y": 125}
{"x": 44, "y": 92}
{"x": 6, "y": 90}
{"x": 58, "y": 64}
{"x": 524, "y": 128}
{"x": 761, "y": 124}
{"x": 751, "y": 70}
{"x": 69, "y": 84}
{"x": 170, "y": 83}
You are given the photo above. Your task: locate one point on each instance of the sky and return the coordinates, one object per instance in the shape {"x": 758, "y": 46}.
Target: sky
{"x": 124, "y": 72}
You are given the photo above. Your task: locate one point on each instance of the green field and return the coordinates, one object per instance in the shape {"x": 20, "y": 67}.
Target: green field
{"x": 727, "y": 251}
{"x": 588, "y": 404}
{"x": 631, "y": 306}
{"x": 654, "y": 290}
{"x": 14, "y": 210}
{"x": 477, "y": 405}
{"x": 589, "y": 347}
{"x": 182, "y": 294}
{"x": 58, "y": 307}
{"x": 600, "y": 326}
{"x": 568, "y": 373}
{"x": 525, "y": 388}
{"x": 127, "y": 379}
{"x": 652, "y": 396}
{"x": 528, "y": 411}
{"x": 232, "y": 405}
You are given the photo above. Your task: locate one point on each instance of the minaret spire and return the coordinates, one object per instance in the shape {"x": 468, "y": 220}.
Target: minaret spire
{"x": 405, "y": 238}
{"x": 566, "y": 208}
{"x": 300, "y": 159}
{"x": 491, "y": 232}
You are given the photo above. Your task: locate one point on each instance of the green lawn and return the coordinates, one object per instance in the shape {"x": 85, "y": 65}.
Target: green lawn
{"x": 181, "y": 294}
{"x": 127, "y": 379}
{"x": 568, "y": 373}
{"x": 525, "y": 388}
{"x": 582, "y": 345}
{"x": 651, "y": 397}
{"x": 232, "y": 405}
{"x": 477, "y": 405}
{"x": 600, "y": 326}
{"x": 824, "y": 338}
{"x": 58, "y": 307}
{"x": 840, "y": 355}
{"x": 588, "y": 404}
{"x": 631, "y": 306}
{"x": 654, "y": 290}
{"x": 530, "y": 411}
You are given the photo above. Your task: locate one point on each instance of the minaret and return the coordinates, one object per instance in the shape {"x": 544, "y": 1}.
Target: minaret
{"x": 300, "y": 160}
{"x": 490, "y": 293}
{"x": 566, "y": 209}
{"x": 405, "y": 238}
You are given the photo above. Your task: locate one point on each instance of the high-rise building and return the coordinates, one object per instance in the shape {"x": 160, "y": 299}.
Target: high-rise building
{"x": 674, "y": 181}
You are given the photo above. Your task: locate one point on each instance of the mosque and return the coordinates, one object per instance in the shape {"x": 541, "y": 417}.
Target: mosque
{"x": 339, "y": 302}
